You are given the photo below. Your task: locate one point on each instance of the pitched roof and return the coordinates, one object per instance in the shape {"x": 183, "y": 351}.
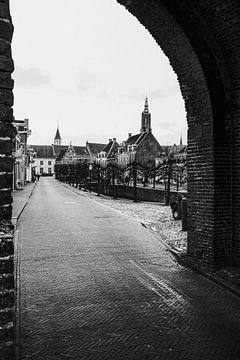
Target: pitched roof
{"x": 61, "y": 154}
{"x": 43, "y": 151}
{"x": 111, "y": 148}
{"x": 58, "y": 148}
{"x": 177, "y": 148}
{"x": 107, "y": 148}
{"x": 135, "y": 139}
{"x": 80, "y": 150}
{"x": 94, "y": 148}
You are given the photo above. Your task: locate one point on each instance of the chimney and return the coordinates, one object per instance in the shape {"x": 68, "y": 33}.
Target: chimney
{"x": 109, "y": 140}
{"x": 129, "y": 135}
{"x": 114, "y": 139}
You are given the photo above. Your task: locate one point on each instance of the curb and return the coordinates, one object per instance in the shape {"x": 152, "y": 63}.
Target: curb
{"x": 16, "y": 218}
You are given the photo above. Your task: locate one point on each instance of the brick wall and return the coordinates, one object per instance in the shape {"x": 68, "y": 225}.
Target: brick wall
{"x": 6, "y": 162}
{"x": 148, "y": 150}
{"x": 201, "y": 39}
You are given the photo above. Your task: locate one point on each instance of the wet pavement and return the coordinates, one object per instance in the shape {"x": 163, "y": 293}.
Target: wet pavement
{"x": 95, "y": 284}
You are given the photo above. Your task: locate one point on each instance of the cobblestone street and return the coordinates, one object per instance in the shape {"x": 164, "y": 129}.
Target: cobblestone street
{"x": 96, "y": 284}
{"x": 157, "y": 217}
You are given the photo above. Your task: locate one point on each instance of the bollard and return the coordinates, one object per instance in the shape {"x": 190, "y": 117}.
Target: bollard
{"x": 179, "y": 207}
{"x": 184, "y": 214}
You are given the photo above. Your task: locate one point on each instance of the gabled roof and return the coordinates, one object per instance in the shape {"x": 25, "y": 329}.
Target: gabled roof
{"x": 43, "y": 151}
{"x": 94, "y": 148}
{"x": 135, "y": 139}
{"x": 107, "y": 148}
{"x": 111, "y": 149}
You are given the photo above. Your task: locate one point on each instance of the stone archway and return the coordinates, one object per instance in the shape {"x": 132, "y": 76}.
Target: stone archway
{"x": 200, "y": 66}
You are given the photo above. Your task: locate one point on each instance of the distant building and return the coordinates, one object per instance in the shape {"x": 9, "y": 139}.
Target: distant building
{"x": 73, "y": 154}
{"x": 142, "y": 147}
{"x": 94, "y": 149}
{"x": 109, "y": 153}
{"x": 46, "y": 156}
{"x": 44, "y": 159}
{"x": 22, "y": 169}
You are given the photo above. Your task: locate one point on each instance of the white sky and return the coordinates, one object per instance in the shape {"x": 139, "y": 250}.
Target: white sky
{"x": 89, "y": 65}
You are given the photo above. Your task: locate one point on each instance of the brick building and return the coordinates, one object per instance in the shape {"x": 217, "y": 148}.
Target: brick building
{"x": 142, "y": 147}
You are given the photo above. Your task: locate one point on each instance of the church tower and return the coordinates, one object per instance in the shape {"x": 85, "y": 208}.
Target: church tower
{"x": 57, "y": 139}
{"x": 146, "y": 119}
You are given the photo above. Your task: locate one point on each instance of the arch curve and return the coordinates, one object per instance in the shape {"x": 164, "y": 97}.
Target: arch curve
{"x": 200, "y": 66}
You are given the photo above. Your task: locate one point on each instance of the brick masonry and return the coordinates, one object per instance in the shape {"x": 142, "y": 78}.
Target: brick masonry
{"x": 7, "y": 294}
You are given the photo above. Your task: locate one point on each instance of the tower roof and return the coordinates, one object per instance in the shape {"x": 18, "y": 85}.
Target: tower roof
{"x": 146, "y": 110}
{"x": 57, "y": 136}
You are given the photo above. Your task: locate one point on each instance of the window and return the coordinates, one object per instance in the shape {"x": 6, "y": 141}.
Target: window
{"x": 49, "y": 170}
{"x": 41, "y": 171}
{"x": 49, "y": 163}
{"x": 41, "y": 162}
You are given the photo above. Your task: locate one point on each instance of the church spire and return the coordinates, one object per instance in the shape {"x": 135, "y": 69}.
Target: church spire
{"x": 146, "y": 110}
{"x": 146, "y": 118}
{"x": 57, "y": 139}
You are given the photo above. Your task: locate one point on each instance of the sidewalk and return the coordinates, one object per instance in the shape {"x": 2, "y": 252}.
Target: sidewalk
{"x": 20, "y": 199}
{"x": 158, "y": 219}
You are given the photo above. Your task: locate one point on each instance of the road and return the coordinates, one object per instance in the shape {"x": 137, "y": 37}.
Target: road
{"x": 95, "y": 284}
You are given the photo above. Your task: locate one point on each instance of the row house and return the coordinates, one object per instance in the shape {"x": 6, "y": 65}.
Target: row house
{"x": 108, "y": 154}
{"x": 23, "y": 158}
{"x": 46, "y": 156}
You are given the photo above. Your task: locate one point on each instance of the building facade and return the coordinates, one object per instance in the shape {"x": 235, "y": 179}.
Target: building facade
{"x": 22, "y": 157}
{"x": 142, "y": 147}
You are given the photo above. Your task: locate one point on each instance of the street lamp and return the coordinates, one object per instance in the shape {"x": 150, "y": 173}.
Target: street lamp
{"x": 90, "y": 167}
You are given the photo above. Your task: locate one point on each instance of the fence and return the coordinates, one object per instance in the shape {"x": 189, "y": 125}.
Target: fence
{"x": 134, "y": 181}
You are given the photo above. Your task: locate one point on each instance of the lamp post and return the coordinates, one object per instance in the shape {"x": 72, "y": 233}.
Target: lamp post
{"x": 90, "y": 177}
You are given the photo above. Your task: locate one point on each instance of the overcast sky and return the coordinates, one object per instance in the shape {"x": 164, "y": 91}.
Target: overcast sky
{"x": 88, "y": 66}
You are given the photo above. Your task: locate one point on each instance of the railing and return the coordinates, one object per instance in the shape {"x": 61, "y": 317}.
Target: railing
{"x": 114, "y": 179}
